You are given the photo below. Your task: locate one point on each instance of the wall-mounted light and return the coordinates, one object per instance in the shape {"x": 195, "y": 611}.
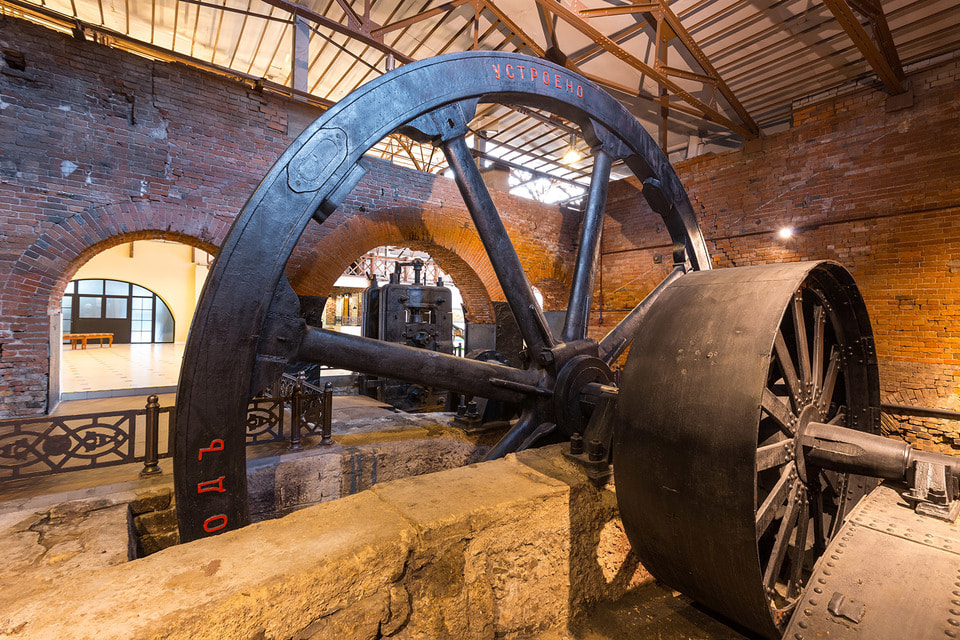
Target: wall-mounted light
{"x": 572, "y": 155}
{"x": 786, "y": 232}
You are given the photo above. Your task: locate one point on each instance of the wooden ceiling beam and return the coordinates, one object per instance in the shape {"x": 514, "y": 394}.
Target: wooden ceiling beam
{"x": 873, "y": 11}
{"x": 659, "y": 12}
{"x": 446, "y": 7}
{"x": 691, "y": 45}
{"x": 359, "y": 34}
{"x": 490, "y": 6}
{"x": 578, "y": 23}
{"x": 618, "y": 11}
{"x": 877, "y": 55}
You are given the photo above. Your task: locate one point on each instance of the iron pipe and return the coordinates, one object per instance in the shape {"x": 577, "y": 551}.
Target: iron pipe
{"x": 920, "y": 412}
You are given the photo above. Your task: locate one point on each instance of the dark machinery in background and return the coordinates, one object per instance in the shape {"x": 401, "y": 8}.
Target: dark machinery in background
{"x": 743, "y": 431}
{"x": 417, "y": 315}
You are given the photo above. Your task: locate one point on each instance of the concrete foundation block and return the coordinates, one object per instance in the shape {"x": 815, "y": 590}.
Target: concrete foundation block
{"x": 503, "y": 549}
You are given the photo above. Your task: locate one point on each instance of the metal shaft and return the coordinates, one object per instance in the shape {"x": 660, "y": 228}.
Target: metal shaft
{"x": 418, "y": 366}
{"x": 850, "y": 451}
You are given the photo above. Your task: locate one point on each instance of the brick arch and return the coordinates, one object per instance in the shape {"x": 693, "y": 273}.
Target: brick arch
{"x": 316, "y": 280}
{"x": 325, "y": 251}
{"x": 44, "y": 268}
{"x": 556, "y": 293}
{"x": 47, "y": 265}
{"x": 148, "y": 234}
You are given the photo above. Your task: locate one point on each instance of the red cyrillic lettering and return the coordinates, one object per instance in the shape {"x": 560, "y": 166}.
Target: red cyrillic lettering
{"x": 557, "y": 83}
{"x": 510, "y": 71}
{"x": 579, "y": 91}
{"x": 520, "y": 69}
{"x": 533, "y": 73}
{"x": 215, "y": 445}
{"x": 211, "y": 485}
{"x": 210, "y": 527}
{"x": 570, "y": 86}
{"x": 496, "y": 70}
{"x": 546, "y": 77}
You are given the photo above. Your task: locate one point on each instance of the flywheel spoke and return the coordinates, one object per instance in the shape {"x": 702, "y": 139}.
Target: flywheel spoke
{"x": 584, "y": 274}
{"x": 795, "y": 579}
{"x": 786, "y": 420}
{"x": 775, "y": 499}
{"x": 803, "y": 349}
{"x": 818, "y": 515}
{"x": 615, "y": 343}
{"x": 774, "y": 455}
{"x": 819, "y": 325}
{"x": 839, "y": 484}
{"x": 779, "y": 551}
{"x": 518, "y": 434}
{"x": 829, "y": 381}
{"x": 503, "y": 256}
{"x": 788, "y": 370}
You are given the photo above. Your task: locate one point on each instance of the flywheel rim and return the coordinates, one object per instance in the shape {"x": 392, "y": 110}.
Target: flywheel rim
{"x": 247, "y": 303}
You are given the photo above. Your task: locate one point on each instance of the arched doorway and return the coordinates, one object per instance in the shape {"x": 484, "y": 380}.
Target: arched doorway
{"x": 143, "y": 293}
{"x": 131, "y": 313}
{"x": 345, "y": 305}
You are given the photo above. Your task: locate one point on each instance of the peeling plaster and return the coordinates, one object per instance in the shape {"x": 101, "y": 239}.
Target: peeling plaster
{"x": 160, "y": 133}
{"x": 67, "y": 167}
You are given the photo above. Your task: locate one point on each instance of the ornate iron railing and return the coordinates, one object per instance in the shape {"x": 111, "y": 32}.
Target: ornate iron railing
{"x": 41, "y": 446}
{"x": 31, "y": 447}
{"x": 309, "y": 412}
{"x": 383, "y": 266}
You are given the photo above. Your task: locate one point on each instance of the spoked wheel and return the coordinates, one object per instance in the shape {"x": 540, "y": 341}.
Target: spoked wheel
{"x": 248, "y": 325}
{"x": 729, "y": 368}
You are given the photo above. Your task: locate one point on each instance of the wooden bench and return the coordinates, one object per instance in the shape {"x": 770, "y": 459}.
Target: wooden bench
{"x": 82, "y": 338}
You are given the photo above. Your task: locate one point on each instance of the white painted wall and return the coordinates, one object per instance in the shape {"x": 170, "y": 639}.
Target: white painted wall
{"x": 166, "y": 268}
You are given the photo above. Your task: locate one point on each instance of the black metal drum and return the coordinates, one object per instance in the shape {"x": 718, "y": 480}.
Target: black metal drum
{"x": 728, "y": 369}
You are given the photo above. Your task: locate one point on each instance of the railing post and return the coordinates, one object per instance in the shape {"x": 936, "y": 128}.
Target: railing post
{"x": 296, "y": 411}
{"x": 151, "y": 458}
{"x": 326, "y": 440}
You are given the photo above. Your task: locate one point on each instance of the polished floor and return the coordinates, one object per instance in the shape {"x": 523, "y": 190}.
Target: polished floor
{"x": 126, "y": 369}
{"x": 92, "y": 371}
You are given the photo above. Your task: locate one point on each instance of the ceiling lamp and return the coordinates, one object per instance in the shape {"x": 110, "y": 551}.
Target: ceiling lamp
{"x": 572, "y": 155}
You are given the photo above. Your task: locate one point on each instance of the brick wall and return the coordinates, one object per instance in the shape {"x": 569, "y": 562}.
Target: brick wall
{"x": 100, "y": 147}
{"x": 875, "y": 190}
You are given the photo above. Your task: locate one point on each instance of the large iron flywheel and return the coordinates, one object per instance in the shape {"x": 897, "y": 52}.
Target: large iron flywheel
{"x": 726, "y": 373}
{"x": 248, "y": 324}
